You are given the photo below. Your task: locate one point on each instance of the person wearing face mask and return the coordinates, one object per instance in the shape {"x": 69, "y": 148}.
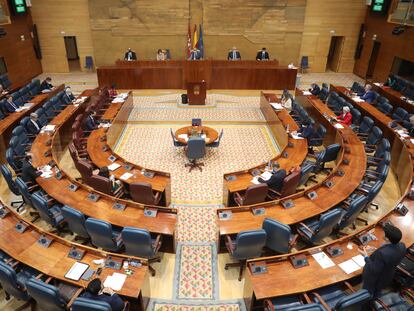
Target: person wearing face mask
{"x": 380, "y": 266}
{"x": 69, "y": 94}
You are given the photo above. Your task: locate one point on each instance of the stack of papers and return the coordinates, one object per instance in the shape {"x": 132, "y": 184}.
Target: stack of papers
{"x": 339, "y": 126}
{"x": 295, "y": 135}
{"x": 357, "y": 99}
{"x": 115, "y": 281}
{"x": 126, "y": 176}
{"x": 49, "y": 128}
{"x": 277, "y": 106}
{"x": 118, "y": 100}
{"x": 353, "y": 264}
{"x": 183, "y": 136}
{"x": 377, "y": 84}
{"x": 266, "y": 175}
{"x": 22, "y": 108}
{"x": 323, "y": 260}
{"x": 123, "y": 95}
{"x": 307, "y": 93}
{"x": 255, "y": 180}
{"x": 113, "y": 166}
{"x": 105, "y": 125}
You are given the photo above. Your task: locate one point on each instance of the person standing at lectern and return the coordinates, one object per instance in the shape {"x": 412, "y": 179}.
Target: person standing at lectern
{"x": 130, "y": 55}
{"x": 234, "y": 54}
{"x": 160, "y": 55}
{"x": 262, "y": 54}
{"x": 195, "y": 54}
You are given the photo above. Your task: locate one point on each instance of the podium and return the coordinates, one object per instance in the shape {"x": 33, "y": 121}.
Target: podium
{"x": 196, "y": 93}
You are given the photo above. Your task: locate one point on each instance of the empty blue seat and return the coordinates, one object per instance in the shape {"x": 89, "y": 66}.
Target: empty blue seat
{"x": 102, "y": 235}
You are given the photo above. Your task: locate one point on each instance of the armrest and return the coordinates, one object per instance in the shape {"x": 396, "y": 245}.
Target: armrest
{"x": 382, "y": 304}
{"x": 372, "y": 172}
{"x": 312, "y": 155}
{"x": 157, "y": 195}
{"x": 48, "y": 280}
{"x": 407, "y": 273}
{"x": 268, "y": 305}
{"x": 316, "y": 139}
{"x": 157, "y": 243}
{"x": 236, "y": 194}
{"x": 33, "y": 187}
{"x": 293, "y": 241}
{"x": 306, "y": 227}
{"x": 363, "y": 190}
{"x": 322, "y": 302}
{"x": 350, "y": 287}
{"x": 76, "y": 295}
{"x": 39, "y": 276}
{"x": 362, "y": 134}
{"x": 229, "y": 244}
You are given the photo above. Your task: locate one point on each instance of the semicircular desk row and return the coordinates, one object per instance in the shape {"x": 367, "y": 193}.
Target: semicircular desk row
{"x": 46, "y": 148}
{"x": 283, "y": 279}
{"x": 345, "y": 176}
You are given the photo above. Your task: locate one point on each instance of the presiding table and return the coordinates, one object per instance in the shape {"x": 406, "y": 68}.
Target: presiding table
{"x": 211, "y": 134}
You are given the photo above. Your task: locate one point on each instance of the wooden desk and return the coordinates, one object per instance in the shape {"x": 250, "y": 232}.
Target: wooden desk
{"x": 218, "y": 74}
{"x": 242, "y": 217}
{"x": 54, "y": 261}
{"x": 8, "y": 124}
{"x": 133, "y": 215}
{"x": 211, "y": 134}
{"x": 394, "y": 97}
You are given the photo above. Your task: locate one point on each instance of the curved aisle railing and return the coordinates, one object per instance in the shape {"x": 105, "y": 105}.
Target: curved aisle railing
{"x": 346, "y": 177}
{"x": 46, "y": 148}
{"x": 283, "y": 279}
{"x": 53, "y": 260}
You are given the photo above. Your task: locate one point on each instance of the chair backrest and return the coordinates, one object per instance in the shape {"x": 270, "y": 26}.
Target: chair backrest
{"x": 375, "y": 136}
{"x": 8, "y": 281}
{"x": 354, "y": 209}
{"x": 84, "y": 304}
{"x": 356, "y": 116}
{"x": 304, "y": 62}
{"x": 196, "y": 147}
{"x": 290, "y": 183}
{"x": 141, "y": 192}
{"x": 8, "y": 176}
{"x": 327, "y": 223}
{"x": 278, "y": 235}
{"x": 85, "y": 169}
{"x": 255, "y": 194}
{"x": 329, "y": 154}
{"x": 307, "y": 307}
{"x": 249, "y": 244}
{"x": 42, "y": 207}
{"x": 382, "y": 147}
{"x": 75, "y": 220}
{"x": 100, "y": 183}
{"x": 354, "y": 301}
{"x": 101, "y": 234}
{"x": 137, "y": 242}
{"x": 24, "y": 191}
{"x": 306, "y": 172}
{"x": 323, "y": 94}
{"x": 400, "y": 114}
{"x": 366, "y": 125}
{"x": 47, "y": 296}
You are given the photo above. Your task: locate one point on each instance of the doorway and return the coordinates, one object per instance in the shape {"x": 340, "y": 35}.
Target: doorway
{"x": 335, "y": 53}
{"x": 373, "y": 60}
{"x": 72, "y": 53}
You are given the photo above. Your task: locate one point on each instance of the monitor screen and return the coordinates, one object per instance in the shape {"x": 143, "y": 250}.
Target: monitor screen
{"x": 19, "y": 6}
{"x": 196, "y": 122}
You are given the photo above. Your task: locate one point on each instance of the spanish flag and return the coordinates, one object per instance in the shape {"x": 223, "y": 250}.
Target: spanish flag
{"x": 195, "y": 37}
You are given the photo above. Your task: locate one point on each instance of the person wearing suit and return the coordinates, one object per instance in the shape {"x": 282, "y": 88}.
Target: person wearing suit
{"x": 275, "y": 182}
{"x": 2, "y": 90}
{"x": 29, "y": 173}
{"x": 160, "y": 55}
{"x": 10, "y": 106}
{"x": 69, "y": 94}
{"x": 315, "y": 89}
{"x": 286, "y": 100}
{"x": 130, "y": 55}
{"x": 33, "y": 126}
{"x": 96, "y": 291}
{"x": 234, "y": 54}
{"x": 195, "y": 54}
{"x": 91, "y": 124}
{"x": 380, "y": 267}
{"x": 368, "y": 95}
{"x": 345, "y": 118}
{"x": 262, "y": 54}
{"x": 46, "y": 85}
{"x": 307, "y": 130}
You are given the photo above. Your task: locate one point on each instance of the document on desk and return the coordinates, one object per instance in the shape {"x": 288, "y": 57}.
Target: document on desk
{"x": 323, "y": 260}
{"x": 339, "y": 126}
{"x": 183, "y": 136}
{"x": 360, "y": 260}
{"x": 115, "y": 281}
{"x": 113, "y": 166}
{"x": 266, "y": 175}
{"x": 277, "y": 106}
{"x": 295, "y": 136}
{"x": 357, "y": 99}
{"x": 349, "y": 266}
{"x": 307, "y": 93}
{"x": 255, "y": 180}
{"x": 126, "y": 176}
{"x": 76, "y": 271}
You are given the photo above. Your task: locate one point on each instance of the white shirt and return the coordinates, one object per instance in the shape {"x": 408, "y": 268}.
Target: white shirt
{"x": 35, "y": 124}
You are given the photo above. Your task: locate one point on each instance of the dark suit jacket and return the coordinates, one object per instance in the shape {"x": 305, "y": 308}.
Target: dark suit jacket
{"x": 45, "y": 86}
{"x": 9, "y": 107}
{"x": 90, "y": 123}
{"x": 369, "y": 96}
{"x": 380, "y": 267}
{"x": 307, "y": 132}
{"x": 29, "y": 173}
{"x": 230, "y": 55}
{"x": 117, "y": 304}
{"x": 316, "y": 90}
{"x": 276, "y": 181}
{"x": 133, "y": 56}
{"x": 260, "y": 56}
{"x": 31, "y": 128}
{"x": 195, "y": 55}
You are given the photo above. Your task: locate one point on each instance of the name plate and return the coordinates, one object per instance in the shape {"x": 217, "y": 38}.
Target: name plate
{"x": 225, "y": 215}
{"x": 93, "y": 197}
{"x": 44, "y": 241}
{"x": 150, "y": 212}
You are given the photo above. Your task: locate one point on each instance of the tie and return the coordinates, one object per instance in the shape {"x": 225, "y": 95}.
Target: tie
{"x": 234, "y": 54}
{"x": 129, "y": 56}
{"x": 263, "y": 55}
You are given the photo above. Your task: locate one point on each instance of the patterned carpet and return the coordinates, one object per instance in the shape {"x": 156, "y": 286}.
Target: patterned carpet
{"x": 156, "y": 305}
{"x": 151, "y": 146}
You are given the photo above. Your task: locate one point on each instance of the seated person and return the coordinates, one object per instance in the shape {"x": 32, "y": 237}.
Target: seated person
{"x": 275, "y": 182}
{"x": 234, "y": 54}
{"x": 112, "y": 91}
{"x": 368, "y": 95}
{"x": 195, "y": 54}
{"x": 69, "y": 94}
{"x": 345, "y": 118}
{"x": 46, "y": 85}
{"x": 307, "y": 130}
{"x": 130, "y": 55}
{"x": 33, "y": 126}
{"x": 91, "y": 124}
{"x": 315, "y": 89}
{"x": 10, "y": 106}
{"x": 2, "y": 90}
{"x": 390, "y": 81}
{"x": 286, "y": 100}
{"x": 29, "y": 173}
{"x": 104, "y": 172}
{"x": 160, "y": 55}
{"x": 262, "y": 54}
{"x": 96, "y": 291}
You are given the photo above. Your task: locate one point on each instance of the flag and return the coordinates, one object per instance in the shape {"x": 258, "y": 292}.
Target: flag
{"x": 200, "y": 42}
{"x": 189, "y": 41}
{"x": 195, "y": 37}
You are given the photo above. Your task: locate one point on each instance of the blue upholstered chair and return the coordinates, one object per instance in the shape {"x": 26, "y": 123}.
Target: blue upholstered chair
{"x": 400, "y": 114}
{"x": 51, "y": 214}
{"x": 352, "y": 210}
{"x": 248, "y": 244}
{"x": 304, "y": 63}
{"x": 84, "y": 304}
{"x": 325, "y": 156}
{"x": 365, "y": 127}
{"x": 279, "y": 237}
{"x": 306, "y": 173}
{"x": 47, "y": 296}
{"x": 383, "y": 148}
{"x": 8, "y": 176}
{"x": 314, "y": 231}
{"x": 196, "y": 149}
{"x": 102, "y": 235}
{"x": 76, "y": 221}
{"x": 402, "y": 301}
{"x": 138, "y": 242}
{"x": 217, "y": 142}
{"x": 341, "y": 298}
{"x": 356, "y": 117}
